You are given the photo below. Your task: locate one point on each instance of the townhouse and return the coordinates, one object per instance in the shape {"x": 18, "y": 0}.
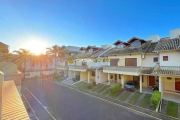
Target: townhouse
{"x": 88, "y": 65}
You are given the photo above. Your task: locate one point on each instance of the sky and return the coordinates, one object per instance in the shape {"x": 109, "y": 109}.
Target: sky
{"x": 37, "y": 24}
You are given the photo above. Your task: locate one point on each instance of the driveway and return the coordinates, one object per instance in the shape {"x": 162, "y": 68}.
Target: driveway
{"x": 64, "y": 103}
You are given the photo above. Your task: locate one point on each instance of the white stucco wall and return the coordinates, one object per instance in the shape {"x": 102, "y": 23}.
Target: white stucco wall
{"x": 148, "y": 60}
{"x": 102, "y": 77}
{"x": 70, "y": 74}
{"x": 173, "y": 58}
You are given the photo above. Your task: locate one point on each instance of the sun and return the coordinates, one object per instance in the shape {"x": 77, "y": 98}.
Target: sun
{"x": 36, "y": 46}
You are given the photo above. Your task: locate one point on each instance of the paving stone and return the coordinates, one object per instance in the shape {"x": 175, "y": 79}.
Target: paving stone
{"x": 140, "y": 99}
{"x": 179, "y": 110}
{"x": 129, "y": 97}
{"x": 121, "y": 95}
{"x": 164, "y": 106}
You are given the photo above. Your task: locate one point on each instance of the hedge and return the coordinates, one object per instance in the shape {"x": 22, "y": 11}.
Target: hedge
{"x": 155, "y": 99}
{"x": 115, "y": 88}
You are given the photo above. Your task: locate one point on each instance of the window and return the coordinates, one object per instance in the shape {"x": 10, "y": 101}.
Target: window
{"x": 114, "y": 62}
{"x": 84, "y": 63}
{"x": 93, "y": 73}
{"x": 130, "y": 61}
{"x": 119, "y": 76}
{"x": 155, "y": 59}
{"x": 165, "y": 58}
{"x": 135, "y": 43}
{"x": 120, "y": 46}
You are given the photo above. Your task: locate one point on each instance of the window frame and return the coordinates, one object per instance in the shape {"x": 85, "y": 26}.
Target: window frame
{"x": 157, "y": 60}
{"x": 167, "y": 57}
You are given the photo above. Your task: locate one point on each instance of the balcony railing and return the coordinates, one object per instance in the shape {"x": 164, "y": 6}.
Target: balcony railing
{"x": 62, "y": 67}
{"x": 77, "y": 67}
{"x": 123, "y": 68}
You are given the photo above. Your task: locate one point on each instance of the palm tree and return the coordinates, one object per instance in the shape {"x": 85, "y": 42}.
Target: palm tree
{"x": 41, "y": 60}
{"x": 22, "y": 56}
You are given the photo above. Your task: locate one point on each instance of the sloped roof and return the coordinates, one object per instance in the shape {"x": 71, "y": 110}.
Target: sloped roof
{"x": 97, "y": 53}
{"x": 167, "y": 70}
{"x": 130, "y": 50}
{"x": 73, "y": 48}
{"x": 12, "y": 105}
{"x": 166, "y": 45}
{"x": 151, "y": 47}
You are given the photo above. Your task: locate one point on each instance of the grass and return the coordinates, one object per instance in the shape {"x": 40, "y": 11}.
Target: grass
{"x": 125, "y": 96}
{"x": 106, "y": 92}
{"x": 115, "y": 94}
{"x": 135, "y": 98}
{"x": 146, "y": 101}
{"x": 97, "y": 87}
{"x": 172, "y": 109}
{"x": 102, "y": 89}
{"x": 80, "y": 85}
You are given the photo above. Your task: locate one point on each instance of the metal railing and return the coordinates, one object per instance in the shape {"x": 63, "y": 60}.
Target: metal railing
{"x": 77, "y": 67}
{"x": 123, "y": 68}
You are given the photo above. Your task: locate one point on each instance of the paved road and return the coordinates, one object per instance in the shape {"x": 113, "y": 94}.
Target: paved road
{"x": 64, "y": 103}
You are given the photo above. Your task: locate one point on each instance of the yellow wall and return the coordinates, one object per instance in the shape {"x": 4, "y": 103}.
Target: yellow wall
{"x": 122, "y": 58}
{"x": 169, "y": 85}
{"x": 145, "y": 82}
{"x": 79, "y": 63}
{"x": 91, "y": 77}
{"x": 83, "y": 76}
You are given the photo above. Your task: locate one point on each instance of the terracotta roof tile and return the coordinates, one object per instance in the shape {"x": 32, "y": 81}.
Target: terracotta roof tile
{"x": 12, "y": 105}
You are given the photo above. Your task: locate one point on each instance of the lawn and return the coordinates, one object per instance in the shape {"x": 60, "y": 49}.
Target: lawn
{"x": 102, "y": 89}
{"x": 115, "y": 94}
{"x": 80, "y": 85}
{"x": 106, "y": 92}
{"x": 97, "y": 87}
{"x": 125, "y": 96}
{"x": 172, "y": 109}
{"x": 146, "y": 101}
{"x": 77, "y": 84}
{"x": 135, "y": 98}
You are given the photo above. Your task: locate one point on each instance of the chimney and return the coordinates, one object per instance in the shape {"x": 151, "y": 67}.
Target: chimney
{"x": 154, "y": 38}
{"x": 175, "y": 33}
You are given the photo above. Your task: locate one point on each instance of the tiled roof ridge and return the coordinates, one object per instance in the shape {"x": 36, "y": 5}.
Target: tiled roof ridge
{"x": 148, "y": 46}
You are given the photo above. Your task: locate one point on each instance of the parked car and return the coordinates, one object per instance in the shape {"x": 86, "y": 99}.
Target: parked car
{"x": 132, "y": 85}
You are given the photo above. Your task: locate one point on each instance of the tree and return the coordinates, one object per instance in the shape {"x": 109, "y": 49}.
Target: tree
{"x": 41, "y": 60}
{"x": 22, "y": 56}
{"x": 58, "y": 53}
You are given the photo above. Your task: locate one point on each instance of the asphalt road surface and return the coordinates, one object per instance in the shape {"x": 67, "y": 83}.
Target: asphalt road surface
{"x": 53, "y": 101}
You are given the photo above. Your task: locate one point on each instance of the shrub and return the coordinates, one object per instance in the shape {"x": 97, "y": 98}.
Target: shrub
{"x": 89, "y": 86}
{"x": 94, "y": 83}
{"x": 115, "y": 88}
{"x": 155, "y": 99}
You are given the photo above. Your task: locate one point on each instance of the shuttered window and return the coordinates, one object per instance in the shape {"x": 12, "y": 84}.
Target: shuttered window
{"x": 130, "y": 61}
{"x": 114, "y": 62}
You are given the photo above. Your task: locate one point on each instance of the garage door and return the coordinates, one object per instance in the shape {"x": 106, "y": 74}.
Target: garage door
{"x": 177, "y": 84}
{"x": 130, "y": 61}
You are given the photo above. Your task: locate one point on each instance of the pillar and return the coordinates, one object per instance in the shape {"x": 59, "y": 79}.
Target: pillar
{"x": 160, "y": 85}
{"x": 1, "y": 92}
{"x": 122, "y": 80}
{"x": 140, "y": 84}
{"x": 88, "y": 76}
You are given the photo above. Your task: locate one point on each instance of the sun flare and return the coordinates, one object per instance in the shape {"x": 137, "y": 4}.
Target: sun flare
{"x": 35, "y": 46}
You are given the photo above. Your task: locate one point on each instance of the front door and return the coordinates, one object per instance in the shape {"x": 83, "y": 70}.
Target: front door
{"x": 177, "y": 84}
{"x": 115, "y": 77}
{"x": 151, "y": 80}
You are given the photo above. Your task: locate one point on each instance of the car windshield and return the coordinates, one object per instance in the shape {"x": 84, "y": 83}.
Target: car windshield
{"x": 129, "y": 83}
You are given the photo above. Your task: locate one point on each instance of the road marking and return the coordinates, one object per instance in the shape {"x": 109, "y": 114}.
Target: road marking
{"x": 41, "y": 104}
{"x": 30, "y": 107}
{"x": 112, "y": 102}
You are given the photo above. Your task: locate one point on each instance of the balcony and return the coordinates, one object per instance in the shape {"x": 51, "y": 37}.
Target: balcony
{"x": 129, "y": 70}
{"x": 61, "y": 67}
{"x": 98, "y": 64}
{"x": 78, "y": 68}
